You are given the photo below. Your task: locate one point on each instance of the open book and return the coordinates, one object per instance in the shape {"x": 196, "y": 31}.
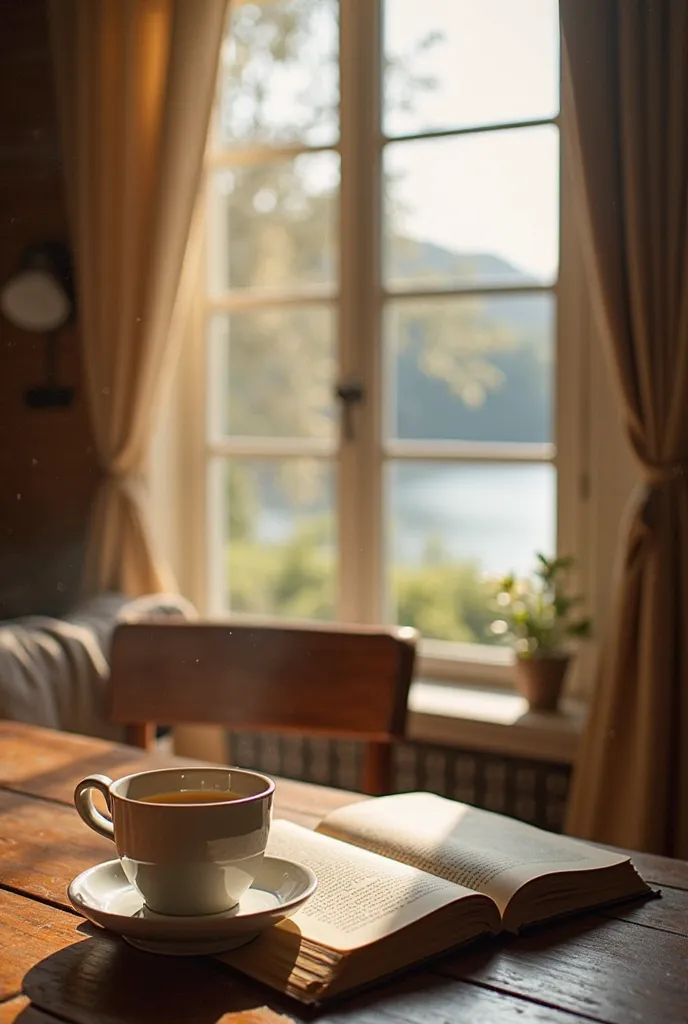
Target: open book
{"x": 404, "y": 878}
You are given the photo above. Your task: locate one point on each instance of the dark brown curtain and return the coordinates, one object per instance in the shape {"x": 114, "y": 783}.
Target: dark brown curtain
{"x": 627, "y": 68}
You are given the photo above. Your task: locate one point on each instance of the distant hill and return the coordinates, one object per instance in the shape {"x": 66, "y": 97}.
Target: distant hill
{"x": 520, "y": 409}
{"x": 412, "y": 259}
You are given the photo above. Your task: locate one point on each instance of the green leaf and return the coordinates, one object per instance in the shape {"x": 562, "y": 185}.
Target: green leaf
{"x": 582, "y": 628}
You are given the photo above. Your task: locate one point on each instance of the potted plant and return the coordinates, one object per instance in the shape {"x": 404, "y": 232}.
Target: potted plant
{"x": 538, "y": 617}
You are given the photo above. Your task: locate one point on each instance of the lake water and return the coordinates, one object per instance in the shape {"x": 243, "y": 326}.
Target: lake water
{"x": 494, "y": 515}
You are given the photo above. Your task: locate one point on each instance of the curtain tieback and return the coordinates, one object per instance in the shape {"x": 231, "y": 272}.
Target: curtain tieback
{"x": 134, "y": 482}
{"x": 660, "y": 473}
{"x": 115, "y": 473}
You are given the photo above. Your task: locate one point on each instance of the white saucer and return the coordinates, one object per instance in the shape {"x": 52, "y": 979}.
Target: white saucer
{"x": 103, "y": 895}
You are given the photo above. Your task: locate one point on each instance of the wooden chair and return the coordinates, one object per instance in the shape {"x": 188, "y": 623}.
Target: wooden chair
{"x": 346, "y": 681}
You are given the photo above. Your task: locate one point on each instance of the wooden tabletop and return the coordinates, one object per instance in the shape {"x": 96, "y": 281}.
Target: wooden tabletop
{"x": 627, "y": 965}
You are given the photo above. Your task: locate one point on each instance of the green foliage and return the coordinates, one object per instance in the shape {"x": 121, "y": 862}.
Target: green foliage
{"x": 444, "y": 601}
{"x": 296, "y": 579}
{"x": 458, "y": 340}
{"x": 241, "y": 503}
{"x": 536, "y": 615}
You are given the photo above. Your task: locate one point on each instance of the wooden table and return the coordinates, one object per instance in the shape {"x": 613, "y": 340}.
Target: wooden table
{"x": 627, "y": 965}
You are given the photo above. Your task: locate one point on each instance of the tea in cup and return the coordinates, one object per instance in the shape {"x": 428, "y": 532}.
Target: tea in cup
{"x": 189, "y": 839}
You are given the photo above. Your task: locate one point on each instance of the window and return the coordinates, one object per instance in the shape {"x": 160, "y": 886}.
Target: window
{"x": 382, "y": 343}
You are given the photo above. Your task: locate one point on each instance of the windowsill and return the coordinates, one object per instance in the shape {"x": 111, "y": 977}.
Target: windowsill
{"x": 489, "y": 720}
{"x": 467, "y": 717}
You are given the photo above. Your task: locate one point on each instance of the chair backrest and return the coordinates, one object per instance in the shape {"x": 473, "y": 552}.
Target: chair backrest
{"x": 347, "y": 681}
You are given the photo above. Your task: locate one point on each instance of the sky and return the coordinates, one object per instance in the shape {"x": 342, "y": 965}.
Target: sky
{"x": 492, "y": 192}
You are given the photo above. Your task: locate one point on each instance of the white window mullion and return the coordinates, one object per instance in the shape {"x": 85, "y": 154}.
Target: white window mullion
{"x": 216, "y": 376}
{"x": 498, "y": 126}
{"x": 270, "y": 447}
{"x": 470, "y": 451}
{"x": 246, "y": 156}
{"x": 443, "y": 292}
{"x": 250, "y": 298}
{"x": 360, "y": 476}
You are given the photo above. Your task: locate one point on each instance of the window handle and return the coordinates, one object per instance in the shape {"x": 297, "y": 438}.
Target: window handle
{"x": 349, "y": 393}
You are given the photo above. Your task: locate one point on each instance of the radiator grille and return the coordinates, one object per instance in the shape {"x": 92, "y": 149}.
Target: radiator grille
{"x": 534, "y": 791}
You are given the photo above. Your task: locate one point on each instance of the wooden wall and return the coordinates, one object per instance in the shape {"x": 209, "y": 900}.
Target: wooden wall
{"x": 47, "y": 467}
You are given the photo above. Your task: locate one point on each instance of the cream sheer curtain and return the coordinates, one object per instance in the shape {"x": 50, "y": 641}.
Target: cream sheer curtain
{"x": 135, "y": 84}
{"x": 628, "y": 68}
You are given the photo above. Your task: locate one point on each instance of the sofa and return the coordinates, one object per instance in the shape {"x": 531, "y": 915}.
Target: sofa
{"x": 54, "y": 669}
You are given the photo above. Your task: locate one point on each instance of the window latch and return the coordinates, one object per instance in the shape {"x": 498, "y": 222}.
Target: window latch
{"x": 349, "y": 393}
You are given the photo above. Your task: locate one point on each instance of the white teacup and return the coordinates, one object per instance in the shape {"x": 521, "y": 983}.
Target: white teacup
{"x": 184, "y": 858}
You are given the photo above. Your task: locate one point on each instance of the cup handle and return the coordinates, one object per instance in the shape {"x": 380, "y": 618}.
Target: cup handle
{"x": 88, "y": 812}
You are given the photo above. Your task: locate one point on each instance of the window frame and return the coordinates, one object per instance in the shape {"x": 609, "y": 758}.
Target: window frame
{"x": 359, "y": 300}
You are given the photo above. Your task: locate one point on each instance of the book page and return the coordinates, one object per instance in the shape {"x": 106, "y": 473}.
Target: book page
{"x": 361, "y": 896}
{"x": 474, "y": 848}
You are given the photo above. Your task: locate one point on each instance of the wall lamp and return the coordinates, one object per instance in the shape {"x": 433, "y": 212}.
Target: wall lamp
{"x": 39, "y": 297}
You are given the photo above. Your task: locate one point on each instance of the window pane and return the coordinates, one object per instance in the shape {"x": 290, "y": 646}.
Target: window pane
{"x": 279, "y": 74}
{"x": 453, "y": 530}
{"x": 274, "y": 226}
{"x": 272, "y": 372}
{"x": 464, "y": 63}
{"x": 279, "y": 537}
{"x": 473, "y": 368}
{"x": 473, "y": 210}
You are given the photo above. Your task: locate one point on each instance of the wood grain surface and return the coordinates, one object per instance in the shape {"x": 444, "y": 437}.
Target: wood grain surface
{"x": 30, "y": 932}
{"x": 20, "y": 1011}
{"x": 261, "y": 1015}
{"x": 608, "y": 969}
{"x": 264, "y": 676}
{"x": 624, "y": 965}
{"x": 322, "y": 678}
{"x": 10, "y": 1010}
{"x": 48, "y": 764}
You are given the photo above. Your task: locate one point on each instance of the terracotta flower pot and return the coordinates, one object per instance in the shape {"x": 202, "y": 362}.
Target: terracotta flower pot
{"x": 541, "y": 680}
